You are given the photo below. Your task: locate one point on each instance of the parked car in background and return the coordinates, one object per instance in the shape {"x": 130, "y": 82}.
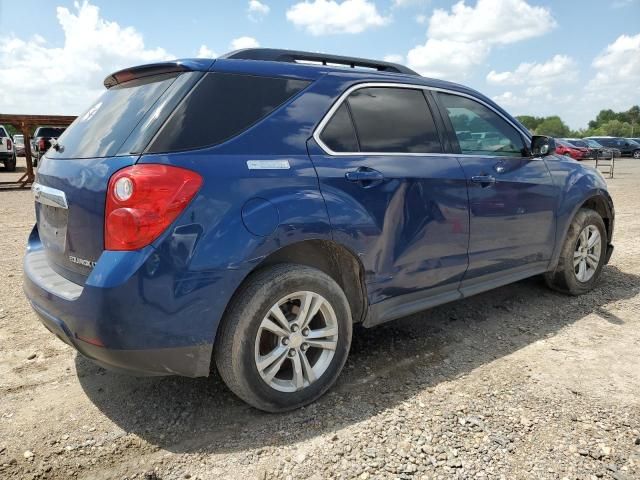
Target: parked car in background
{"x": 627, "y": 147}
{"x": 564, "y": 147}
{"x": 18, "y": 142}
{"x": 581, "y": 144}
{"x": 7, "y": 151}
{"x": 230, "y": 215}
{"x": 42, "y": 140}
{"x": 601, "y": 150}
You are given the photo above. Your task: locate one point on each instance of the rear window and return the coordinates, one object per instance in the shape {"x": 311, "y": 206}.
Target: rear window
{"x": 221, "y": 106}
{"x": 3, "y": 133}
{"x": 49, "y": 132}
{"x": 103, "y": 128}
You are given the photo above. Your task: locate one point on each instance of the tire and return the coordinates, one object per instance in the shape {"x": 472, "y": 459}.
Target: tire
{"x": 242, "y": 341}
{"x": 10, "y": 164}
{"x": 636, "y": 154}
{"x": 568, "y": 277}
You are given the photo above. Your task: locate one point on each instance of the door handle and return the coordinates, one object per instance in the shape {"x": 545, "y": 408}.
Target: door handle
{"x": 484, "y": 180}
{"x": 365, "y": 176}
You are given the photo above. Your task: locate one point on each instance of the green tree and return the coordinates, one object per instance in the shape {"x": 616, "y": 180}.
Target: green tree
{"x": 530, "y": 121}
{"x": 615, "y": 128}
{"x": 554, "y": 127}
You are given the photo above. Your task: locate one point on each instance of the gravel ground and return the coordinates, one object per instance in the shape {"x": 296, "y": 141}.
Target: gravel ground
{"x": 520, "y": 382}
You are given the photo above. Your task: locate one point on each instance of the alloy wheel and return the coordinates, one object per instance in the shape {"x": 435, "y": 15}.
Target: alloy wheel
{"x": 586, "y": 256}
{"x": 296, "y": 341}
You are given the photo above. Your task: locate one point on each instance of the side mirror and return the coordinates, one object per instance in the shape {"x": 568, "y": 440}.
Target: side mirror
{"x": 541, "y": 145}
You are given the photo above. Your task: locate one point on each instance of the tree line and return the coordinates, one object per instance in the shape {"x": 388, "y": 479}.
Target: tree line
{"x": 606, "y": 123}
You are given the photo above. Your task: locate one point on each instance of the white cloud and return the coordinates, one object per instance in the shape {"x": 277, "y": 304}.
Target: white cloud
{"x": 616, "y": 82}
{"x": 206, "y": 52}
{"x": 509, "y": 99}
{"x": 39, "y": 79}
{"x": 559, "y": 69}
{"x": 244, "y": 42}
{"x": 491, "y": 21}
{"x": 257, "y": 10}
{"x": 322, "y": 17}
{"x": 394, "y": 58}
{"x": 444, "y": 58}
{"x": 421, "y": 19}
{"x": 406, "y": 3}
{"x": 459, "y": 39}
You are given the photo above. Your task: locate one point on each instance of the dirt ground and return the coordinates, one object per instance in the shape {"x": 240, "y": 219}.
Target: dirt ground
{"x": 520, "y": 382}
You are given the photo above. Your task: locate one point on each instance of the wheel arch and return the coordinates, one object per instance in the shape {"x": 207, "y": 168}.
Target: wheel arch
{"x": 599, "y": 201}
{"x": 334, "y": 259}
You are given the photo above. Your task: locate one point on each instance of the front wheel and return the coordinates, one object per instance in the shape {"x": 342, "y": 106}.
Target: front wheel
{"x": 284, "y": 338}
{"x": 583, "y": 255}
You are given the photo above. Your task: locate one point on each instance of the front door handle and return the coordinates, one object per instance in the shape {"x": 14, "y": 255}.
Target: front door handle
{"x": 365, "y": 176}
{"x": 484, "y": 180}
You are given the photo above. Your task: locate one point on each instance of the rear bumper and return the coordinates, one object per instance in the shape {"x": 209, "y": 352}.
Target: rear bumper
{"x": 138, "y": 312}
{"x": 187, "y": 361}
{"x": 6, "y": 155}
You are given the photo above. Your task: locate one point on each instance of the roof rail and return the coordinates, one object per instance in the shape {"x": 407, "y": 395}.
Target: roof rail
{"x": 293, "y": 56}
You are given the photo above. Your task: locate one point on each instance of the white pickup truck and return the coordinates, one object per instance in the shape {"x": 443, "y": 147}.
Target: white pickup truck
{"x": 7, "y": 150}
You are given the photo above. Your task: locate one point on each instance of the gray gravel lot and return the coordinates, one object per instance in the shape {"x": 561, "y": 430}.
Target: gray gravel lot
{"x": 520, "y": 382}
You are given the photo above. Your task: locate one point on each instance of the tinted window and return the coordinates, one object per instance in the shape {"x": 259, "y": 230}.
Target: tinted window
{"x": 221, "y": 106}
{"x": 481, "y": 131}
{"x": 3, "y": 133}
{"x": 339, "y": 134}
{"x": 106, "y": 125}
{"x": 49, "y": 132}
{"x": 393, "y": 120}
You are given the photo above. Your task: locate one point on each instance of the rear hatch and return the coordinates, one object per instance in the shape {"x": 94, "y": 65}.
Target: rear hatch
{"x": 72, "y": 179}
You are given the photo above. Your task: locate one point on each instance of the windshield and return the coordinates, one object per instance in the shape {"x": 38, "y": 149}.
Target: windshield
{"x": 104, "y": 127}
{"x": 579, "y": 143}
{"x": 593, "y": 143}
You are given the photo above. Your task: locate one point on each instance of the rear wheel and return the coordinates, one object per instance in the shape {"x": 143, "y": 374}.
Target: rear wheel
{"x": 582, "y": 256}
{"x": 285, "y": 337}
{"x": 636, "y": 154}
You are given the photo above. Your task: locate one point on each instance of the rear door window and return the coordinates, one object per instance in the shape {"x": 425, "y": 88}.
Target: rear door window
{"x": 395, "y": 120}
{"x": 339, "y": 134}
{"x": 480, "y": 130}
{"x": 220, "y": 107}
{"x": 3, "y": 133}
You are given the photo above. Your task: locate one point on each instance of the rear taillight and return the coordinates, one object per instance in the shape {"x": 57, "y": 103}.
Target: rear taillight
{"x": 8, "y": 144}
{"x": 143, "y": 200}
{"x": 42, "y": 145}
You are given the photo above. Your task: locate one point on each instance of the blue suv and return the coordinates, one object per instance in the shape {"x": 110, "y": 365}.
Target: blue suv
{"x": 248, "y": 211}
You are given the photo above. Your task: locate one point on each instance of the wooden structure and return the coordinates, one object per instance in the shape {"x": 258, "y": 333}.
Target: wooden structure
{"x": 26, "y": 124}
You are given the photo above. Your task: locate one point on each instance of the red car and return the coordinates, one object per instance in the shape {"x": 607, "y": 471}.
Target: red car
{"x": 565, "y": 148}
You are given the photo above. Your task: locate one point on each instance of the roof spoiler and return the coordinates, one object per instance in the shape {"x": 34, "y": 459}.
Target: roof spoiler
{"x": 293, "y": 56}
{"x": 151, "y": 69}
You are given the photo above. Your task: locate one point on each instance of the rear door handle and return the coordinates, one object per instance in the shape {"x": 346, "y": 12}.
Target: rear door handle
{"x": 484, "y": 180}
{"x": 364, "y": 175}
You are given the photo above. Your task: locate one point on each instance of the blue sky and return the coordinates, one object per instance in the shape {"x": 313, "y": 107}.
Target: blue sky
{"x": 570, "y": 58}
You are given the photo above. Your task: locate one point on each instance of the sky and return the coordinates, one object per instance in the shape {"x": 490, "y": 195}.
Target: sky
{"x": 566, "y": 57}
